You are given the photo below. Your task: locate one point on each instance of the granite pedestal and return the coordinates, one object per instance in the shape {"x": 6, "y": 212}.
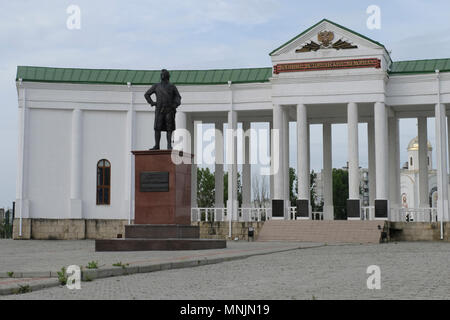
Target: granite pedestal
{"x": 162, "y": 207}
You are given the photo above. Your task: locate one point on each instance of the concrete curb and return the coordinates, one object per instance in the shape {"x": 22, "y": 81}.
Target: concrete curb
{"x": 31, "y": 287}
{"x": 101, "y": 273}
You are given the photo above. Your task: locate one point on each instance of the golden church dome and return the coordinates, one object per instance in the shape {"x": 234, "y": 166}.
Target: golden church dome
{"x": 414, "y": 145}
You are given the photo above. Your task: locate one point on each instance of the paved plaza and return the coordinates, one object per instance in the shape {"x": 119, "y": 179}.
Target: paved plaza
{"x": 51, "y": 255}
{"x": 408, "y": 271}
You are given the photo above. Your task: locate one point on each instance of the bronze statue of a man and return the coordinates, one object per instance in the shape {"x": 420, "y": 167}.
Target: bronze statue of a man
{"x": 167, "y": 101}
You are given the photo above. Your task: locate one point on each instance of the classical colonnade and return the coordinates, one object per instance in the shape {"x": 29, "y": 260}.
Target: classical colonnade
{"x": 383, "y": 156}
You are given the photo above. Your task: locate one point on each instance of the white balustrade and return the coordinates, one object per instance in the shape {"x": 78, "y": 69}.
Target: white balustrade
{"x": 415, "y": 215}
{"x": 404, "y": 214}
{"x": 368, "y": 213}
{"x": 220, "y": 214}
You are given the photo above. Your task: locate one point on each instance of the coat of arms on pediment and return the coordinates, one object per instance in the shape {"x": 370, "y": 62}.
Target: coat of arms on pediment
{"x": 325, "y": 39}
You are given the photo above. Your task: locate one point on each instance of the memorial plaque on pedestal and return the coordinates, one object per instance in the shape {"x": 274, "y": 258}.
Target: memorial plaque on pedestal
{"x": 154, "y": 182}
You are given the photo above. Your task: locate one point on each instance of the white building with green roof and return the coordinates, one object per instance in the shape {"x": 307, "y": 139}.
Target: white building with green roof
{"x": 77, "y": 126}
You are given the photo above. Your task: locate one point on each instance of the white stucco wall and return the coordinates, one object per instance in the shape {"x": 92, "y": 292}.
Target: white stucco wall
{"x": 104, "y": 135}
{"x": 49, "y": 163}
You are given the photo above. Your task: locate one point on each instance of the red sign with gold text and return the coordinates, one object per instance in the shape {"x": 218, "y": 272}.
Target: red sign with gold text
{"x": 327, "y": 65}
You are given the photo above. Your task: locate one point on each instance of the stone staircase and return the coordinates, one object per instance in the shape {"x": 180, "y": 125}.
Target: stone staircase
{"x": 338, "y": 231}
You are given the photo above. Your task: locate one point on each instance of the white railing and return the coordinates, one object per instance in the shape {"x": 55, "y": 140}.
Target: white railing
{"x": 292, "y": 213}
{"x": 368, "y": 213}
{"x": 317, "y": 215}
{"x": 220, "y": 214}
{"x": 262, "y": 214}
{"x": 414, "y": 214}
{"x": 208, "y": 214}
{"x": 403, "y": 214}
{"x": 254, "y": 214}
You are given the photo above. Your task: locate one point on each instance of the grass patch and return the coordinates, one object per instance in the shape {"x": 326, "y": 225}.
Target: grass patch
{"x": 92, "y": 265}
{"x": 120, "y": 264}
{"x": 23, "y": 289}
{"x": 62, "y": 276}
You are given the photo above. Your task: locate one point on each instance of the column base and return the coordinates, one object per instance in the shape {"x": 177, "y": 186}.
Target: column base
{"x": 381, "y": 209}
{"x": 353, "y": 209}
{"x": 328, "y": 213}
{"x": 303, "y": 209}
{"x": 278, "y": 209}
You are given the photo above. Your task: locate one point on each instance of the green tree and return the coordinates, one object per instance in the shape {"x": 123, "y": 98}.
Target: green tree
{"x": 293, "y": 187}
{"x": 293, "y": 190}
{"x": 206, "y": 192}
{"x": 316, "y": 207}
{"x": 340, "y": 193}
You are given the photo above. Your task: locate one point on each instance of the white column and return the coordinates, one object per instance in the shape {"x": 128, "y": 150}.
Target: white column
{"x": 278, "y": 188}
{"x": 232, "y": 203}
{"x": 193, "y": 132}
{"x": 181, "y": 138}
{"x": 76, "y": 165}
{"x": 302, "y": 158}
{"x": 302, "y": 153}
{"x": 271, "y": 153}
{"x": 381, "y": 152}
{"x": 327, "y": 173}
{"x": 218, "y": 171}
{"x": 397, "y": 161}
{"x": 394, "y": 187}
{"x": 441, "y": 152}
{"x": 129, "y": 160}
{"x": 423, "y": 162}
{"x": 353, "y": 156}
{"x": 308, "y": 131}
{"x": 22, "y": 202}
{"x": 277, "y": 164}
{"x": 371, "y": 156}
{"x": 246, "y": 166}
{"x": 286, "y": 161}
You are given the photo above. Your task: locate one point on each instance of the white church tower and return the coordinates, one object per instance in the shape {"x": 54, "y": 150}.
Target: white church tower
{"x": 410, "y": 189}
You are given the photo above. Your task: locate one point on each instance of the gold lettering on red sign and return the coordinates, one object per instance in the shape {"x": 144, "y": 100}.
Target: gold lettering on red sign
{"x": 327, "y": 65}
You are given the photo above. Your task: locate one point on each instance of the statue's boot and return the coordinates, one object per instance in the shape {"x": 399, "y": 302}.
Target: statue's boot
{"x": 157, "y": 139}
{"x": 169, "y": 140}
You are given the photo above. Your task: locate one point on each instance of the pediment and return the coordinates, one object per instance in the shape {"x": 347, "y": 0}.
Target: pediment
{"x": 327, "y": 39}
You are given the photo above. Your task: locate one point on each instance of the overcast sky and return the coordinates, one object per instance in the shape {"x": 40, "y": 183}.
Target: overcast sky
{"x": 197, "y": 34}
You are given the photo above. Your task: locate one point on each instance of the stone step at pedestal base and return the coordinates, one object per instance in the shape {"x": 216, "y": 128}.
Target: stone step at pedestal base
{"x": 162, "y": 237}
{"x": 162, "y": 231}
{"x": 157, "y": 244}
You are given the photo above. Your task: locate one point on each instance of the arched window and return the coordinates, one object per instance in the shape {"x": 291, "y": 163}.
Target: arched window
{"x": 103, "y": 182}
{"x": 411, "y": 161}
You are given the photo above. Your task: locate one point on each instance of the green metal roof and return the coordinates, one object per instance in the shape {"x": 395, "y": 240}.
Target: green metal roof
{"x": 142, "y": 77}
{"x": 192, "y": 77}
{"x": 420, "y": 66}
{"x": 337, "y": 25}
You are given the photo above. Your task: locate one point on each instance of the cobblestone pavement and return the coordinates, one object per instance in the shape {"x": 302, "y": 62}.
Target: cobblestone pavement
{"x": 408, "y": 271}
{"x": 51, "y": 255}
